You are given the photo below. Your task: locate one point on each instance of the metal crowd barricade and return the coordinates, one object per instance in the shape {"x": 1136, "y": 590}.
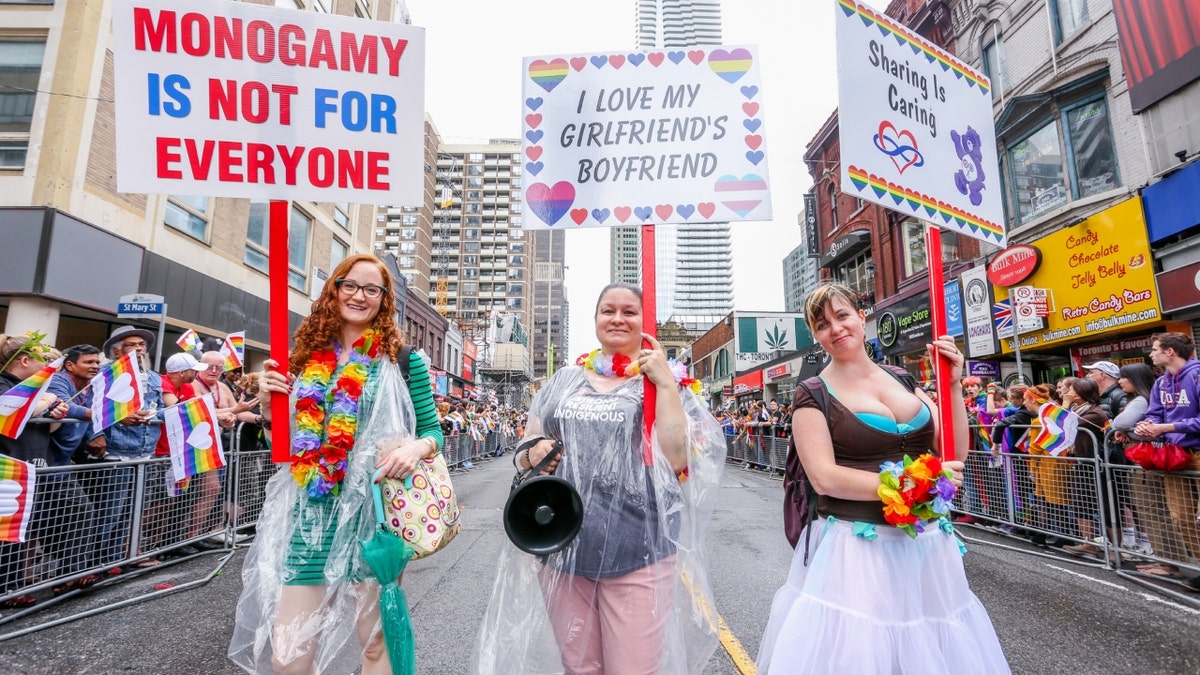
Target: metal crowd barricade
{"x": 92, "y": 518}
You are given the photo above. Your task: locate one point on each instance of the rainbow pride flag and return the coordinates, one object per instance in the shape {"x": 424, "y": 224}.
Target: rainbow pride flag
{"x": 190, "y": 341}
{"x": 234, "y": 350}
{"x": 17, "y": 404}
{"x": 194, "y": 438}
{"x": 17, "y": 481}
{"x": 116, "y": 392}
{"x": 1059, "y": 427}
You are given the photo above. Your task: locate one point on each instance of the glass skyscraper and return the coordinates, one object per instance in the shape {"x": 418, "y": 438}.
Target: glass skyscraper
{"x": 694, "y": 262}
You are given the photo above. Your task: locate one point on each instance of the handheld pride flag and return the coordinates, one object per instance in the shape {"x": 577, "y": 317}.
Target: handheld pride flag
{"x": 1059, "y": 426}
{"x": 116, "y": 392}
{"x": 190, "y": 341}
{"x": 17, "y": 481}
{"x": 193, "y": 437}
{"x": 234, "y": 350}
{"x": 17, "y": 404}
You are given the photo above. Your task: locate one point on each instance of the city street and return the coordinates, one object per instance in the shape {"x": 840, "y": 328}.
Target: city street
{"x": 1052, "y": 617}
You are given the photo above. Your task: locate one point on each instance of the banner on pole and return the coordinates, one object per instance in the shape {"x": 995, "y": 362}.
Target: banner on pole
{"x": 632, "y": 138}
{"x": 979, "y": 329}
{"x": 234, "y": 99}
{"x": 915, "y": 125}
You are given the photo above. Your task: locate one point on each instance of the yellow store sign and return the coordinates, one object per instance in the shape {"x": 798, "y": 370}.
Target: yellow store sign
{"x": 1099, "y": 276}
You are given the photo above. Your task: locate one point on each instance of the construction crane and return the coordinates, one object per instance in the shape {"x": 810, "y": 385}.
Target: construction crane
{"x": 441, "y": 232}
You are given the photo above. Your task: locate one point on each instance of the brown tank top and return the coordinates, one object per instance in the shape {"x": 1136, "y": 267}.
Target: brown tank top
{"x": 858, "y": 445}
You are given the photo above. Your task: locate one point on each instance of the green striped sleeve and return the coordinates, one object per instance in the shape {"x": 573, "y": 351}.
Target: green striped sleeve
{"x": 421, "y": 392}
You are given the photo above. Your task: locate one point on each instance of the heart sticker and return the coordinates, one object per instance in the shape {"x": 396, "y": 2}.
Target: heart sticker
{"x": 550, "y": 203}
{"x": 730, "y": 66}
{"x": 579, "y": 215}
{"x": 121, "y": 390}
{"x": 201, "y": 436}
{"x": 578, "y": 63}
{"x": 622, "y": 213}
{"x": 655, "y": 58}
{"x": 548, "y": 74}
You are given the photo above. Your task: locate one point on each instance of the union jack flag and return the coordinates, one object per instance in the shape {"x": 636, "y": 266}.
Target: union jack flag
{"x": 1002, "y": 311}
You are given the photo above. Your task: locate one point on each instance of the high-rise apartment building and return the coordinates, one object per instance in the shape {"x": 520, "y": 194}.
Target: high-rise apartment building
{"x": 695, "y": 262}
{"x": 482, "y": 261}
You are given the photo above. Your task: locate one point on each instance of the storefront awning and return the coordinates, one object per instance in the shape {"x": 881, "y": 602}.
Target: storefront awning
{"x": 845, "y": 246}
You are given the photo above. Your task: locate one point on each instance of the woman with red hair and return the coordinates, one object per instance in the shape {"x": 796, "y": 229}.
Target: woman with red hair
{"x": 309, "y": 602}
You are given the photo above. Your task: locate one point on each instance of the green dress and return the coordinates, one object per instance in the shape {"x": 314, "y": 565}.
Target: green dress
{"x": 317, "y": 519}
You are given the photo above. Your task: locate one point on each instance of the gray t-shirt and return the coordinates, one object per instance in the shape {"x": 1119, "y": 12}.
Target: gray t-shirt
{"x": 625, "y": 508}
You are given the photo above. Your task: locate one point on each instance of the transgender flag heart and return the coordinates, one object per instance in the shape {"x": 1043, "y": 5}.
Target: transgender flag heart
{"x": 550, "y": 203}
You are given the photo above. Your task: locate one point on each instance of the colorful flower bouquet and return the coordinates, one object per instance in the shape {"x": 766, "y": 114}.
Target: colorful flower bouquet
{"x": 915, "y": 492}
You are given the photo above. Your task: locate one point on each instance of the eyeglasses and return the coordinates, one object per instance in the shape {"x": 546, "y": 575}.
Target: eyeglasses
{"x": 350, "y": 287}
{"x": 214, "y": 369}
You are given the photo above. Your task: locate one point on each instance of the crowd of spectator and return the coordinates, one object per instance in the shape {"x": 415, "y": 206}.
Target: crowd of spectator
{"x": 83, "y": 519}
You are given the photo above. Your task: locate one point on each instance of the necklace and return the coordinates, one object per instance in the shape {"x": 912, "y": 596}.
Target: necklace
{"x": 327, "y": 416}
{"x": 619, "y": 365}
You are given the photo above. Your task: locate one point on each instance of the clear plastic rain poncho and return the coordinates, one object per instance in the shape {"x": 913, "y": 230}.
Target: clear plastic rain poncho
{"x": 322, "y": 621}
{"x": 641, "y": 525}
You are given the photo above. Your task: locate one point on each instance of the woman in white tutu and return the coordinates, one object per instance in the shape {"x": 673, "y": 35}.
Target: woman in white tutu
{"x": 863, "y": 596}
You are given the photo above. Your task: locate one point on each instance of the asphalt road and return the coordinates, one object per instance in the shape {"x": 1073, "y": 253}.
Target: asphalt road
{"x": 1052, "y": 615}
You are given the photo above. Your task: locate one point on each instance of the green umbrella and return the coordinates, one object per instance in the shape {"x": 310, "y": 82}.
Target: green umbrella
{"x": 388, "y": 555}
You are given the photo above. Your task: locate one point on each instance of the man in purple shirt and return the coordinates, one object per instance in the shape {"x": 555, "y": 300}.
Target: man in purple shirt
{"x": 1174, "y": 415}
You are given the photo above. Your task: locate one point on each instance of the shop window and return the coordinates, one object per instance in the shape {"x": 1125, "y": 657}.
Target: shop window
{"x": 299, "y": 228}
{"x": 994, "y": 65}
{"x": 20, "y": 70}
{"x": 913, "y": 238}
{"x": 256, "y": 237}
{"x": 188, "y": 215}
{"x": 337, "y": 253}
{"x": 1069, "y": 157}
{"x": 1068, "y": 17}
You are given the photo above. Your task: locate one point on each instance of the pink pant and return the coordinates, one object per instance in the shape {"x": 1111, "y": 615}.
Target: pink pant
{"x": 613, "y": 626}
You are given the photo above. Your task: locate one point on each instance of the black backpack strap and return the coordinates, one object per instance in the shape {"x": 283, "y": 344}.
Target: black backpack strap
{"x": 403, "y": 358}
{"x": 815, "y": 387}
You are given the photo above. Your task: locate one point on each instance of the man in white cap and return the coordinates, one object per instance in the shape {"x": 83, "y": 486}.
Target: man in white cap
{"x": 1105, "y": 374}
{"x": 1112, "y": 401}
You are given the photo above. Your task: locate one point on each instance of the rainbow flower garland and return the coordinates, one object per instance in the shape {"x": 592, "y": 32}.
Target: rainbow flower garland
{"x": 915, "y": 492}
{"x": 317, "y": 466}
{"x": 619, "y": 365}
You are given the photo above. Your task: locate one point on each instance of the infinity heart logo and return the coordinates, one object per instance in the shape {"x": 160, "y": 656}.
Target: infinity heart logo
{"x": 899, "y": 146}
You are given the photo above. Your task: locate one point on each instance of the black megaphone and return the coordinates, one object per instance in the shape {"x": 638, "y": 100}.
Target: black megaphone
{"x": 543, "y": 513}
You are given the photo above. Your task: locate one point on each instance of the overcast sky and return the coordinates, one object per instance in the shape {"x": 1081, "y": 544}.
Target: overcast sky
{"x": 473, "y": 93}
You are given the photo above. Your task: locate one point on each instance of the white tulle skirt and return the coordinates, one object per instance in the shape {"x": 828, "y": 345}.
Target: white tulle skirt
{"x": 888, "y": 604}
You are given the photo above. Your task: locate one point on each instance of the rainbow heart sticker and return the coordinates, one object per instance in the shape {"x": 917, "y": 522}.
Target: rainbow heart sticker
{"x": 547, "y": 74}
{"x": 550, "y": 203}
{"x": 730, "y": 66}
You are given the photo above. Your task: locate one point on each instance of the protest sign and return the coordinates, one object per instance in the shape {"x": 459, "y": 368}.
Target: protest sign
{"x": 915, "y": 126}
{"x": 631, "y": 138}
{"x": 233, "y": 99}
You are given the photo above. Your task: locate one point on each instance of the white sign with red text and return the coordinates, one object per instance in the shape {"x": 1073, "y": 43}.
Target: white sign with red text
{"x": 233, "y": 99}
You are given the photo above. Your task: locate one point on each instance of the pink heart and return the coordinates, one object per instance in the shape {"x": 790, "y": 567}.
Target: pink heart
{"x": 578, "y": 63}
{"x": 753, "y": 141}
{"x": 663, "y": 211}
{"x": 616, "y": 61}
{"x": 655, "y": 58}
{"x": 533, "y": 152}
{"x": 696, "y": 56}
{"x": 533, "y": 120}
{"x": 579, "y": 215}
{"x": 623, "y": 212}
{"x": 914, "y": 157}
{"x": 751, "y": 109}
{"x": 706, "y": 209}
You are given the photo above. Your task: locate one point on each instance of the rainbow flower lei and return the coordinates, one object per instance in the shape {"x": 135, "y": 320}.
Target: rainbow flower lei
{"x": 915, "y": 492}
{"x": 619, "y": 365}
{"x": 317, "y": 466}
